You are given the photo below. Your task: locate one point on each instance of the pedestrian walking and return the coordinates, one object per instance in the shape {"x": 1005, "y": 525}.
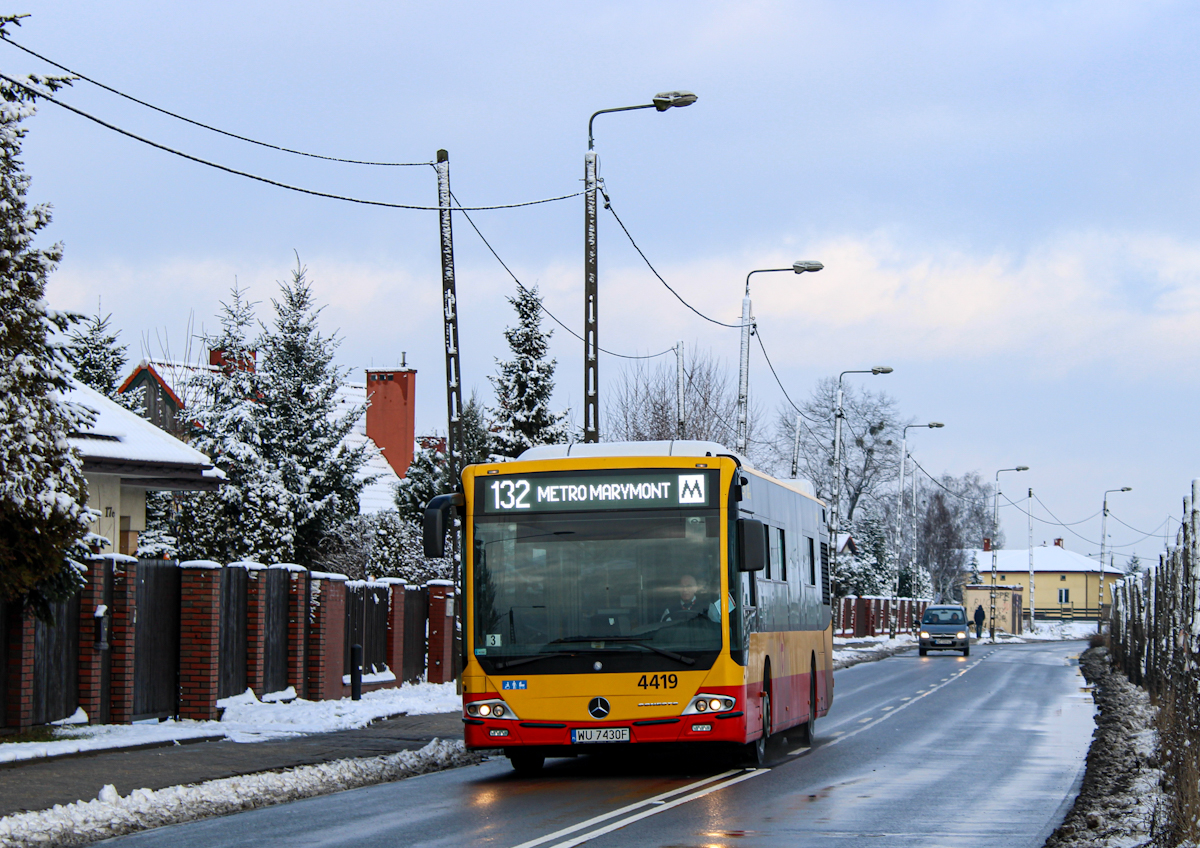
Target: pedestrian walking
{"x": 979, "y": 617}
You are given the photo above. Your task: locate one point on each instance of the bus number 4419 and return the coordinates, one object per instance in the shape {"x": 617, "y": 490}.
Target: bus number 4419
{"x": 659, "y": 681}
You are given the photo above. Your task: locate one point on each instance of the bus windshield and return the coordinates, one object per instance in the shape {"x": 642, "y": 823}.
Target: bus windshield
{"x": 614, "y": 581}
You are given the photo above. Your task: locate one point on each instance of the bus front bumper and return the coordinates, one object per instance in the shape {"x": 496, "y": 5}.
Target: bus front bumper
{"x": 714, "y": 727}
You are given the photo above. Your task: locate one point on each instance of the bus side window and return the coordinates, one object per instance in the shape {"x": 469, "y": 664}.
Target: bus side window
{"x": 769, "y": 552}
{"x": 782, "y": 554}
{"x": 812, "y": 563}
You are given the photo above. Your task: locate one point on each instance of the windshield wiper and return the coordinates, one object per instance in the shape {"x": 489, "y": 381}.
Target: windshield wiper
{"x": 631, "y": 640}
{"x": 534, "y": 658}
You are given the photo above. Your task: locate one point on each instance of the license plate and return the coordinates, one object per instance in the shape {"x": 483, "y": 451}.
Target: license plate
{"x": 943, "y": 641}
{"x": 582, "y": 735}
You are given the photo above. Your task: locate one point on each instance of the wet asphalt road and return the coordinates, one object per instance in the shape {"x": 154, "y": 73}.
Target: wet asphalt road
{"x": 917, "y": 751}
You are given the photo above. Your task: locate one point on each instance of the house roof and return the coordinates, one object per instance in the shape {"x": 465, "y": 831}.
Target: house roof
{"x": 121, "y": 443}
{"x": 1048, "y": 558}
{"x": 376, "y": 496}
{"x": 145, "y": 366}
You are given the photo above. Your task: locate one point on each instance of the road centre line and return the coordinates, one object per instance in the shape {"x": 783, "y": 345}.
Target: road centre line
{"x": 903, "y": 706}
{"x": 658, "y": 801}
{"x": 653, "y": 811}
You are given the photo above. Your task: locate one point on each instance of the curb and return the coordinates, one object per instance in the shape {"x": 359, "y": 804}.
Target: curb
{"x": 165, "y": 743}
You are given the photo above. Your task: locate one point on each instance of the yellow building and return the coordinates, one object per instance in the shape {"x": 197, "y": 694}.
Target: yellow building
{"x": 1067, "y": 585}
{"x": 1009, "y": 606}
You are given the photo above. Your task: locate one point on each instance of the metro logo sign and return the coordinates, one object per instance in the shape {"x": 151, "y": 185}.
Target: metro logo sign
{"x": 691, "y": 489}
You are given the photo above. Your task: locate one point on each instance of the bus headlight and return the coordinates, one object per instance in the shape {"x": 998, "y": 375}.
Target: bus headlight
{"x": 709, "y": 703}
{"x": 491, "y": 708}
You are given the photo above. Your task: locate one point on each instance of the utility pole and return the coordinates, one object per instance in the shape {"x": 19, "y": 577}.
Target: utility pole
{"x": 742, "y": 439}
{"x": 1100, "y": 580}
{"x": 453, "y": 375}
{"x": 679, "y": 375}
{"x": 591, "y": 341}
{"x": 796, "y": 449}
{"x": 995, "y": 533}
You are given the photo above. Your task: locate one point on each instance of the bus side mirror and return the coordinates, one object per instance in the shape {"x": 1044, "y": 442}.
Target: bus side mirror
{"x": 436, "y": 522}
{"x": 752, "y": 545}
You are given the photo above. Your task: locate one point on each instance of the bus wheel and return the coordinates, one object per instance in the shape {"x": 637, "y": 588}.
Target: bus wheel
{"x": 526, "y": 762}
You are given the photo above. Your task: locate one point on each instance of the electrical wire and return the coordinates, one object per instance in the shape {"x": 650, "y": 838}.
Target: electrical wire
{"x": 250, "y": 176}
{"x": 4, "y": 36}
{"x": 758, "y": 335}
{"x": 608, "y": 206}
{"x": 942, "y": 485}
{"x": 1134, "y": 529}
{"x": 541, "y": 305}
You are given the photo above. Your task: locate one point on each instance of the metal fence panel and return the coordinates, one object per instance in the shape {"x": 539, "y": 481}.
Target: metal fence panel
{"x": 366, "y": 625}
{"x": 231, "y": 660}
{"x": 56, "y": 663}
{"x": 416, "y": 620}
{"x": 156, "y": 640}
{"x": 275, "y": 637}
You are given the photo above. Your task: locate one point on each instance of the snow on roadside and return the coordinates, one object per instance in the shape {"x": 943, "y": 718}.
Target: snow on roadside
{"x": 112, "y": 815}
{"x": 246, "y": 719}
{"x": 849, "y": 650}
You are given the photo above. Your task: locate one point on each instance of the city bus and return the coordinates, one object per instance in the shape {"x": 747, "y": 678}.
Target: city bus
{"x": 629, "y": 593}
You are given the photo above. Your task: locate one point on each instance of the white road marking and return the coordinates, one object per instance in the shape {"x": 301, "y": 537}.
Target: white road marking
{"x": 657, "y": 801}
{"x": 653, "y": 811}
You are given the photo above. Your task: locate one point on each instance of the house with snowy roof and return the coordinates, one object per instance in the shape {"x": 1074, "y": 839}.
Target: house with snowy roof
{"x": 388, "y": 428}
{"x": 1067, "y": 585}
{"x": 124, "y": 456}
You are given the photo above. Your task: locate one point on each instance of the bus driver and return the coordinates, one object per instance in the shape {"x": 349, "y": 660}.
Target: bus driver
{"x": 689, "y": 605}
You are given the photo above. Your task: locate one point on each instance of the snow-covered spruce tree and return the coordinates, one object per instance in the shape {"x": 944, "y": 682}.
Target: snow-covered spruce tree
{"x": 397, "y": 551}
{"x": 524, "y": 384}
{"x": 253, "y": 515}
{"x": 97, "y": 361}
{"x": 42, "y": 489}
{"x": 871, "y": 570}
{"x": 302, "y": 428}
{"x": 429, "y": 473}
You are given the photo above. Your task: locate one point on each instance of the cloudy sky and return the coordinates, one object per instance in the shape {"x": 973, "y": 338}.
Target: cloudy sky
{"x": 1004, "y": 197}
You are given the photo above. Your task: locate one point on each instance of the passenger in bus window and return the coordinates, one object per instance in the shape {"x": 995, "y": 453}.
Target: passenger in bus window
{"x": 689, "y": 604}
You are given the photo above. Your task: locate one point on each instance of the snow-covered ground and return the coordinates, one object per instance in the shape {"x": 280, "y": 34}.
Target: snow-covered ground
{"x": 246, "y": 719}
{"x": 112, "y": 815}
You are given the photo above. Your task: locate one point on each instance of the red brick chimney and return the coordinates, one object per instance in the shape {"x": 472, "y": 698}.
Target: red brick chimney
{"x": 1058, "y": 543}
{"x": 391, "y": 416}
{"x": 220, "y": 359}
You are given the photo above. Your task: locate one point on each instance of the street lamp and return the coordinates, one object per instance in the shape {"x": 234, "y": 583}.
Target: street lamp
{"x": 743, "y": 427}
{"x": 932, "y": 425}
{"x": 591, "y": 342}
{"x": 995, "y": 531}
{"x": 1103, "y": 536}
{"x": 835, "y": 513}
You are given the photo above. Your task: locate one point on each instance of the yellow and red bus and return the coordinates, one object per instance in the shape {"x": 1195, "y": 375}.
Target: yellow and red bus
{"x": 638, "y": 592}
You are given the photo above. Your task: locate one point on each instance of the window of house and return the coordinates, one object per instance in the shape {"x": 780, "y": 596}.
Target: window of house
{"x": 1064, "y": 596}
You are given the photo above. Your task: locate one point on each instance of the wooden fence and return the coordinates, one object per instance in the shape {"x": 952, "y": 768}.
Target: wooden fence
{"x": 865, "y": 616}
{"x": 157, "y": 638}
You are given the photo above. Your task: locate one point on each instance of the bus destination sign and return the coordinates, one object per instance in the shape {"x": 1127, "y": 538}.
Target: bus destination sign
{"x": 577, "y": 492}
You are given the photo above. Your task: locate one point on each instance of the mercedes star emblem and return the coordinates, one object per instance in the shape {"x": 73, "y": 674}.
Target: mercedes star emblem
{"x": 598, "y": 707}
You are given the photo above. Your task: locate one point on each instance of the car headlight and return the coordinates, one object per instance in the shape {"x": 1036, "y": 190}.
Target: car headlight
{"x": 705, "y": 703}
{"x": 962, "y": 634}
{"x": 924, "y": 634}
{"x": 491, "y": 708}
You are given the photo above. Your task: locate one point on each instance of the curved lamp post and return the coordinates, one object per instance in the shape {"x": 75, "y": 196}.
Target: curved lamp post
{"x": 1103, "y": 537}
{"x": 742, "y": 437}
{"x": 932, "y": 425}
{"x": 591, "y": 342}
{"x": 835, "y": 513}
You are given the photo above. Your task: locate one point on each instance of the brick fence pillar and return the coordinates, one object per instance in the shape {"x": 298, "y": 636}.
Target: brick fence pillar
{"x": 18, "y": 666}
{"x": 299, "y": 621}
{"x": 91, "y": 652}
{"x": 199, "y": 638}
{"x": 256, "y": 625}
{"x": 122, "y": 638}
{"x": 440, "y": 667}
{"x": 394, "y": 651}
{"x": 327, "y": 637}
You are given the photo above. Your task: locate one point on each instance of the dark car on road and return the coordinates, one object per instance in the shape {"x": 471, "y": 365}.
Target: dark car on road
{"x": 944, "y": 628}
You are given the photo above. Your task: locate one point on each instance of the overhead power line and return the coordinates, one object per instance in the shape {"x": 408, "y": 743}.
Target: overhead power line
{"x": 169, "y": 113}
{"x": 541, "y": 305}
{"x": 41, "y": 94}
{"x": 653, "y": 270}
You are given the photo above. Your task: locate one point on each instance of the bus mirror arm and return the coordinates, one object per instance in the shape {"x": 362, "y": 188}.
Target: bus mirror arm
{"x": 436, "y": 523}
